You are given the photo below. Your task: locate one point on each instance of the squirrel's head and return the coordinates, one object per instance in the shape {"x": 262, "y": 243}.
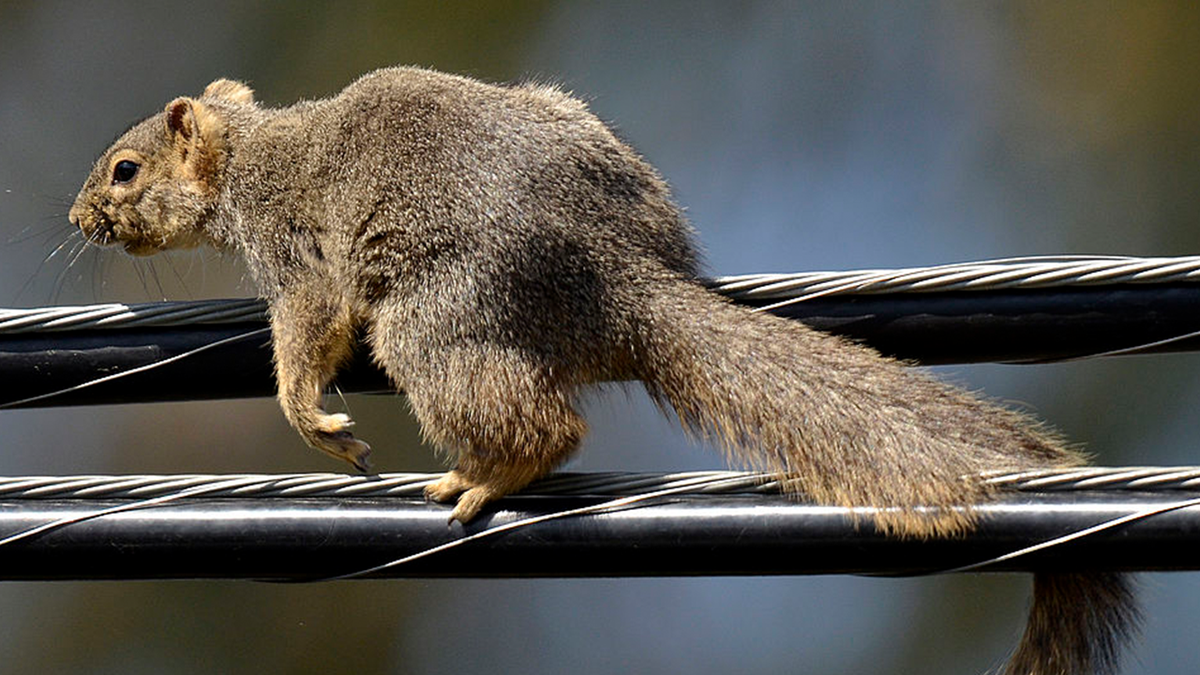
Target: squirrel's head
{"x": 160, "y": 181}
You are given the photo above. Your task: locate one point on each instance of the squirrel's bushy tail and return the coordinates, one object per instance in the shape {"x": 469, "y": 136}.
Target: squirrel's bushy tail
{"x": 1078, "y": 623}
{"x": 852, "y": 428}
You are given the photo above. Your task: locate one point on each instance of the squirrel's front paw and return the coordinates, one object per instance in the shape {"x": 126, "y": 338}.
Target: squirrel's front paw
{"x": 332, "y": 436}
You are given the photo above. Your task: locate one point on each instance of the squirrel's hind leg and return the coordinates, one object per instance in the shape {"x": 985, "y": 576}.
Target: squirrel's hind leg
{"x": 502, "y": 414}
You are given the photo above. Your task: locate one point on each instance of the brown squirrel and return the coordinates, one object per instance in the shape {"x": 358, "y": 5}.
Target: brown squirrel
{"x": 502, "y": 249}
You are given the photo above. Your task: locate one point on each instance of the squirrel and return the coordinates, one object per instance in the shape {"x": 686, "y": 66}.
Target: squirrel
{"x": 500, "y": 248}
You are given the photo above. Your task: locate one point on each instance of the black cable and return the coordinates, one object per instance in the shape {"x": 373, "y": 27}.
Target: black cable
{"x": 300, "y": 539}
{"x": 931, "y": 328}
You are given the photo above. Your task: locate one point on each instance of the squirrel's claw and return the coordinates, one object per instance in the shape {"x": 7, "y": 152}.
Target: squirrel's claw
{"x": 471, "y": 498}
{"x": 362, "y": 462}
{"x": 333, "y": 438}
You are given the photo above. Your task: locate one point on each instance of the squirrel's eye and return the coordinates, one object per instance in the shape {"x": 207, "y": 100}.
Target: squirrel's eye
{"x": 124, "y": 171}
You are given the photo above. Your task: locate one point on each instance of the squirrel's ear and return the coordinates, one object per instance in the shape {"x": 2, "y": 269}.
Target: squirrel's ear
{"x": 181, "y": 119}
{"x": 194, "y": 126}
{"x": 232, "y": 91}
{"x": 189, "y": 120}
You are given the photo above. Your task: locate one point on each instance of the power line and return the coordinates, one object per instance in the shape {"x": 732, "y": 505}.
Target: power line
{"x": 303, "y": 527}
{"x": 1020, "y": 310}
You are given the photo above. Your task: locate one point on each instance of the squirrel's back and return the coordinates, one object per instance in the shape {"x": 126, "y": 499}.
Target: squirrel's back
{"x": 516, "y": 197}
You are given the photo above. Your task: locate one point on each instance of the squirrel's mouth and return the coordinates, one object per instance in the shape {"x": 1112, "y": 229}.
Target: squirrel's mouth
{"x": 100, "y": 231}
{"x": 95, "y": 227}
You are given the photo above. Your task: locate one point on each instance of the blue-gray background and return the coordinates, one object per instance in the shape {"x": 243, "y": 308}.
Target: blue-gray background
{"x": 798, "y": 135}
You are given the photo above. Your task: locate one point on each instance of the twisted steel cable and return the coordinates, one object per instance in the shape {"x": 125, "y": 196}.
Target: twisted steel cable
{"x": 118, "y": 315}
{"x": 989, "y": 275}
{"x": 600, "y": 484}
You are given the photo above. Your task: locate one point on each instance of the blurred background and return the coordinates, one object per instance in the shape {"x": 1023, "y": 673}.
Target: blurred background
{"x": 798, "y": 135}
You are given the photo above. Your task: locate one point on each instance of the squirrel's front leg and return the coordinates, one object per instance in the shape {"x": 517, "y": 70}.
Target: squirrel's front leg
{"x": 313, "y": 333}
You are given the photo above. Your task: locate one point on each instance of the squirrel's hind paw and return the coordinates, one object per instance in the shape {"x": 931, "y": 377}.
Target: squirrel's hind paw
{"x": 446, "y": 488}
{"x": 471, "y": 498}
